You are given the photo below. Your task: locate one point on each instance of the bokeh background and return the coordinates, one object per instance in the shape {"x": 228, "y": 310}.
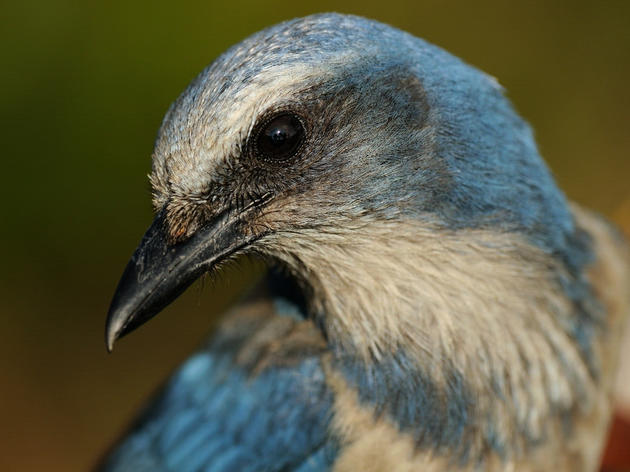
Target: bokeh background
{"x": 83, "y": 87}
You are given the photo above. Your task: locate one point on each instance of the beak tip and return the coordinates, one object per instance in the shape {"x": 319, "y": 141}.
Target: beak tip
{"x": 112, "y": 333}
{"x": 110, "y": 339}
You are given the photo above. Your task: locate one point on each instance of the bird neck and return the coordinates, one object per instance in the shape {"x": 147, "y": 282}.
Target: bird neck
{"x": 434, "y": 325}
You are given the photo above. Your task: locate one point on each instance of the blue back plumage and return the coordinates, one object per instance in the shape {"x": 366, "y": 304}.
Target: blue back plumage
{"x": 217, "y": 416}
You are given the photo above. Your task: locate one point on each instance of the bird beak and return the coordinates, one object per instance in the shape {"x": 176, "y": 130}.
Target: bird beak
{"x": 159, "y": 272}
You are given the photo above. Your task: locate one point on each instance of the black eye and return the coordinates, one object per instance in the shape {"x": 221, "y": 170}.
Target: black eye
{"x": 280, "y": 138}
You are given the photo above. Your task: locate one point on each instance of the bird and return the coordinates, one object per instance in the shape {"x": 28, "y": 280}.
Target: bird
{"x": 434, "y": 302}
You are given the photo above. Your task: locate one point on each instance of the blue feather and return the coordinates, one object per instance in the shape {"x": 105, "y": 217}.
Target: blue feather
{"x": 213, "y": 416}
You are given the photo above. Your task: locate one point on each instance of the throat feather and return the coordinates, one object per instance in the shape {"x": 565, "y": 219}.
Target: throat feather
{"x": 449, "y": 333}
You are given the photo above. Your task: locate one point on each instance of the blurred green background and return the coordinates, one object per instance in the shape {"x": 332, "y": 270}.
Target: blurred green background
{"x": 83, "y": 89}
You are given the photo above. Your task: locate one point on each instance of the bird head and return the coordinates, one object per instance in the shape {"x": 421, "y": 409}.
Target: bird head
{"x": 329, "y": 143}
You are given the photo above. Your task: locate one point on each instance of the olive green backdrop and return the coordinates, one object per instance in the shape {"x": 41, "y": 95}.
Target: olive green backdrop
{"x": 83, "y": 87}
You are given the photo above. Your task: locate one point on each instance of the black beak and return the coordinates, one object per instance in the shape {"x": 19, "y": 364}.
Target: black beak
{"x": 158, "y": 272}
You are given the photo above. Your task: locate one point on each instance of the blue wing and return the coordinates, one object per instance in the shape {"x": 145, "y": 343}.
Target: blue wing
{"x": 254, "y": 399}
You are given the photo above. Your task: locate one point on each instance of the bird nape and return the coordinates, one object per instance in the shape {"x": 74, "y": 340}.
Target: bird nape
{"x": 439, "y": 304}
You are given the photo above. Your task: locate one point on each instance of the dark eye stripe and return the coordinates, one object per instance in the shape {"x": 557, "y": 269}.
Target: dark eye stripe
{"x": 280, "y": 138}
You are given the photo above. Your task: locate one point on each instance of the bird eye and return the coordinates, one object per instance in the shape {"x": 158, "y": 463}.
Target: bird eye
{"x": 280, "y": 138}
